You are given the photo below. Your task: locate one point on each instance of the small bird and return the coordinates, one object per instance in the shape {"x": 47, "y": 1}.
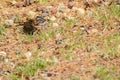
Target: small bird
{"x": 29, "y": 27}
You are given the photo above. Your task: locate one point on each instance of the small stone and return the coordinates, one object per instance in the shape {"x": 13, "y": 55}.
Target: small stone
{"x": 27, "y": 2}
{"x": 55, "y": 59}
{"x": 61, "y": 7}
{"x": 13, "y": 2}
{"x": 81, "y": 11}
{"x": 94, "y": 31}
{"x": 118, "y": 47}
{"x": 11, "y": 17}
{"x": 47, "y": 78}
{"x": 18, "y": 5}
{"x": 28, "y": 54}
{"x": 46, "y": 10}
{"x": 31, "y": 14}
{"x": 49, "y": 74}
{"x": 64, "y": 15}
{"x": 90, "y": 13}
{"x": 58, "y": 14}
{"x": 46, "y": 70}
{"x": 43, "y": 75}
{"x": 39, "y": 8}
{"x": 44, "y": 14}
{"x": 40, "y": 46}
{"x": 70, "y": 17}
{"x": 2, "y": 53}
{"x": 53, "y": 18}
{"x": 6, "y": 61}
{"x": 49, "y": 7}
{"x": 40, "y": 20}
{"x": 58, "y": 38}
{"x": 70, "y": 4}
{"x": 8, "y": 23}
{"x": 1, "y": 6}
{"x": 55, "y": 25}
{"x": 54, "y": 11}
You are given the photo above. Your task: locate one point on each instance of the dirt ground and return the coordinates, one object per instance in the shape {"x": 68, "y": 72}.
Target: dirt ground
{"x": 59, "y": 40}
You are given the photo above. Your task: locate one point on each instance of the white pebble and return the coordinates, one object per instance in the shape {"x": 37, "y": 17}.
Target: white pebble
{"x": 28, "y": 54}
{"x": 81, "y": 11}
{"x": 55, "y": 25}
{"x": 2, "y": 53}
{"x": 53, "y": 18}
{"x": 8, "y": 23}
{"x": 31, "y": 14}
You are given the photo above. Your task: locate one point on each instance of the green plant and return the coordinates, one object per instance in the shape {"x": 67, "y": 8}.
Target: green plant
{"x": 115, "y": 10}
{"x": 32, "y": 66}
{"x": 111, "y": 46}
{"x": 2, "y": 30}
{"x": 103, "y": 73}
{"x": 13, "y": 77}
{"x": 26, "y": 38}
{"x": 75, "y": 78}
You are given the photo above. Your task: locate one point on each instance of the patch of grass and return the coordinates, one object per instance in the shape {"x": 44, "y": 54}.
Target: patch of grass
{"x": 115, "y": 10}
{"x": 106, "y": 14}
{"x": 111, "y": 46}
{"x": 26, "y": 38}
{"x": 103, "y": 73}
{"x": 13, "y": 77}
{"x": 17, "y": 18}
{"x": 46, "y": 35}
{"x": 2, "y": 30}
{"x": 32, "y": 66}
{"x": 75, "y": 78}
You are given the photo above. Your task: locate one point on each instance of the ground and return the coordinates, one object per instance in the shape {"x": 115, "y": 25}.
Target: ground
{"x": 59, "y": 40}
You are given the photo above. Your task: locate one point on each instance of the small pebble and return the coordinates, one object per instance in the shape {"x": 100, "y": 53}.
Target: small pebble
{"x": 61, "y": 7}
{"x": 6, "y": 61}
{"x": 13, "y": 2}
{"x": 8, "y": 23}
{"x": 40, "y": 46}
{"x": 55, "y": 59}
{"x": 54, "y": 11}
{"x": 39, "y": 8}
{"x": 53, "y": 18}
{"x": 94, "y": 31}
{"x": 70, "y": 4}
{"x": 55, "y": 25}
{"x": 47, "y": 78}
{"x": 2, "y": 53}
{"x": 18, "y": 5}
{"x": 1, "y": 6}
{"x": 28, "y": 54}
{"x": 31, "y": 14}
{"x": 81, "y": 11}
{"x": 49, "y": 74}
{"x": 44, "y": 14}
{"x": 40, "y": 20}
